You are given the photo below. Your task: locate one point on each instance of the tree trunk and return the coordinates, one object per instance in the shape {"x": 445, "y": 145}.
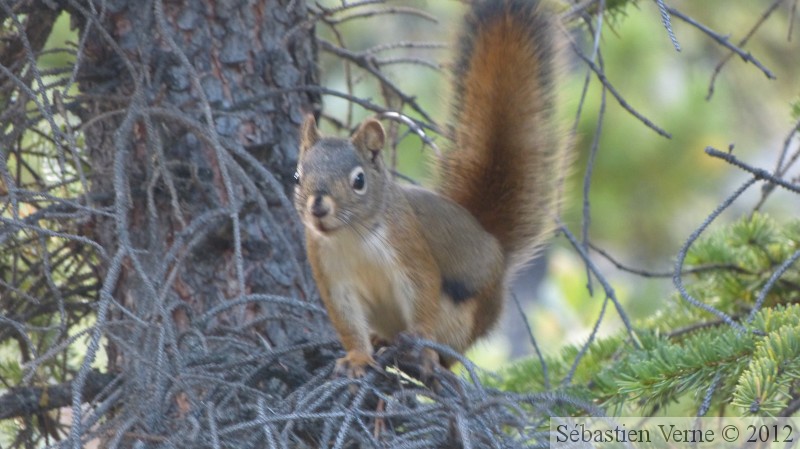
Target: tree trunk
{"x": 194, "y": 107}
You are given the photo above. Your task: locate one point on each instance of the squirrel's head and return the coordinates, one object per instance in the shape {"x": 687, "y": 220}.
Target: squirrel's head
{"x": 340, "y": 182}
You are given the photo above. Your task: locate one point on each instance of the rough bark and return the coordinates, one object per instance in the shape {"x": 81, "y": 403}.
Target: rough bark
{"x": 194, "y": 107}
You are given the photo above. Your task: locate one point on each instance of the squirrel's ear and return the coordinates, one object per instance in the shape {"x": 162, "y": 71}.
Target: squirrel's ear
{"x": 309, "y": 134}
{"x": 370, "y": 136}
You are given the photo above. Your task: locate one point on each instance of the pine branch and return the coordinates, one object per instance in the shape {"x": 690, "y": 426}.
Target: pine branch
{"x": 29, "y": 401}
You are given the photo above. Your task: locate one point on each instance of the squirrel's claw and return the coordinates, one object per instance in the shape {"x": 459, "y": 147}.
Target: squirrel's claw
{"x": 428, "y": 364}
{"x": 353, "y": 365}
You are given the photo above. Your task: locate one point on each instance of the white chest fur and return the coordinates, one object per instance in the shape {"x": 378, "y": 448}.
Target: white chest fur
{"x": 363, "y": 268}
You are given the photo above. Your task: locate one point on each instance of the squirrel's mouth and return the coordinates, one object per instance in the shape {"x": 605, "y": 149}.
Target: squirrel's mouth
{"x": 319, "y": 225}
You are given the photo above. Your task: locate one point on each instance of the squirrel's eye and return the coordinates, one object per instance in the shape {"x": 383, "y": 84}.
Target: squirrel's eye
{"x": 297, "y": 178}
{"x": 358, "y": 181}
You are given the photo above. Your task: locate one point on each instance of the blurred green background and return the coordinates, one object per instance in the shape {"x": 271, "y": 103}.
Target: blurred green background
{"x": 648, "y": 193}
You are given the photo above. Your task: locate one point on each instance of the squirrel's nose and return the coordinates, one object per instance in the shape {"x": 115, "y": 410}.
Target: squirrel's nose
{"x": 320, "y": 206}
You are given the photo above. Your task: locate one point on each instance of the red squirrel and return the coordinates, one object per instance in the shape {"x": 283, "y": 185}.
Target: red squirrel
{"x": 390, "y": 257}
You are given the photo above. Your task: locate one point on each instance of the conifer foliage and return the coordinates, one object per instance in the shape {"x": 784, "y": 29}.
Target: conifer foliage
{"x": 689, "y": 360}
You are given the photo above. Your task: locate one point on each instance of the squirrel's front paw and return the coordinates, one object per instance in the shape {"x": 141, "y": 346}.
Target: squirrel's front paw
{"x": 353, "y": 365}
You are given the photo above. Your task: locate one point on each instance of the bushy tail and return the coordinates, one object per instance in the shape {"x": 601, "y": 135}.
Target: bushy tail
{"x": 509, "y": 153}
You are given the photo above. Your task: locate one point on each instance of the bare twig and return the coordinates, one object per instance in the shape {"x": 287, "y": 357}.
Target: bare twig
{"x": 662, "y": 8}
{"x": 24, "y": 401}
{"x": 664, "y": 274}
{"x": 758, "y": 173}
{"x": 677, "y": 276}
{"x": 722, "y": 40}
{"x": 367, "y": 63}
{"x": 756, "y": 26}
{"x": 782, "y": 165}
{"x": 622, "y": 102}
{"x": 610, "y": 294}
